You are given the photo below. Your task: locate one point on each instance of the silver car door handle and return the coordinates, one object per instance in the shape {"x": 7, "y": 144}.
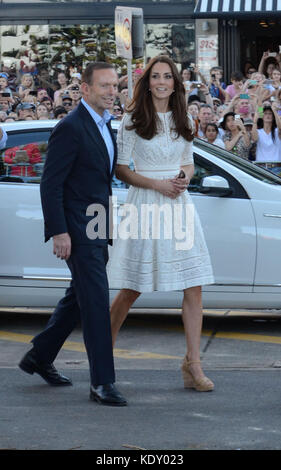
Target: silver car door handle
{"x": 276, "y": 216}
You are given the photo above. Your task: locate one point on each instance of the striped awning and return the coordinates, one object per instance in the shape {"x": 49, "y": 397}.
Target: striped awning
{"x": 219, "y": 8}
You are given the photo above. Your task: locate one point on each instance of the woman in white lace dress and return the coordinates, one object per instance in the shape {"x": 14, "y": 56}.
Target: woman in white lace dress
{"x": 160, "y": 244}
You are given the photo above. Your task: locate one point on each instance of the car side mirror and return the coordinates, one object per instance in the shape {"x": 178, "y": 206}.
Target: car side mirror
{"x": 215, "y": 185}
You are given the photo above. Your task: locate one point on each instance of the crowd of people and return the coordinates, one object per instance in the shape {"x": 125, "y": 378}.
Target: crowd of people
{"x": 29, "y": 96}
{"x": 243, "y": 116}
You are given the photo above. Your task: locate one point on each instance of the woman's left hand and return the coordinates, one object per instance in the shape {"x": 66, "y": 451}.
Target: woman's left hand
{"x": 181, "y": 183}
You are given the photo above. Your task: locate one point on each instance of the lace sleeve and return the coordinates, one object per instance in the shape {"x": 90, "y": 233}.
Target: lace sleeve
{"x": 125, "y": 142}
{"x": 187, "y": 155}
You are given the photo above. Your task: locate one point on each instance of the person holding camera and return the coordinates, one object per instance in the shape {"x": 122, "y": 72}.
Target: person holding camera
{"x": 268, "y": 136}
{"x": 236, "y": 139}
{"x": 275, "y": 84}
{"x": 268, "y": 63}
{"x": 75, "y": 95}
{"x": 187, "y": 77}
{"x": 62, "y": 80}
{"x": 26, "y": 85}
{"x": 217, "y": 86}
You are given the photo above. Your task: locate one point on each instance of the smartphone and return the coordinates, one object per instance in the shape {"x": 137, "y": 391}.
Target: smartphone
{"x": 267, "y": 82}
{"x": 6, "y": 95}
{"x": 253, "y": 82}
{"x": 181, "y": 174}
{"x": 33, "y": 93}
{"x": 272, "y": 54}
{"x": 236, "y": 117}
{"x": 213, "y": 76}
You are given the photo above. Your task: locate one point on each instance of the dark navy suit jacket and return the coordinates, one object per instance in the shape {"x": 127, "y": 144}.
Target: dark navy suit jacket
{"x": 76, "y": 174}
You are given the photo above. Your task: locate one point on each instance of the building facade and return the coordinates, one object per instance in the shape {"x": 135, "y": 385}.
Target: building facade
{"x": 67, "y": 33}
{"x": 246, "y": 29}
{"x": 58, "y": 34}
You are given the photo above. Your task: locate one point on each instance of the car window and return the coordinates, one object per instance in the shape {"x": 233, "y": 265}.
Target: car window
{"x": 24, "y": 156}
{"x": 247, "y": 166}
{"x": 200, "y": 171}
{"x": 23, "y": 159}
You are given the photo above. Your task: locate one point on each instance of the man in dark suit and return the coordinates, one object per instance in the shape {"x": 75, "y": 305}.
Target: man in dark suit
{"x": 77, "y": 174}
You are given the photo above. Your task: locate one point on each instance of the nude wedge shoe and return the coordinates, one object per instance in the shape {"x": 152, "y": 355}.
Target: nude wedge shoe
{"x": 202, "y": 385}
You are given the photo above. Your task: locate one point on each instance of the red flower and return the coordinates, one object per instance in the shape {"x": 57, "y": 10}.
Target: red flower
{"x": 34, "y": 155}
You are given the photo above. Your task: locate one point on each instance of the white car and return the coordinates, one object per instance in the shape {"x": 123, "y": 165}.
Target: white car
{"x": 238, "y": 203}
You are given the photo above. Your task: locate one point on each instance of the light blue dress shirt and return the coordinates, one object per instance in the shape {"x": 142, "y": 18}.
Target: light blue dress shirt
{"x": 3, "y": 140}
{"x": 101, "y": 123}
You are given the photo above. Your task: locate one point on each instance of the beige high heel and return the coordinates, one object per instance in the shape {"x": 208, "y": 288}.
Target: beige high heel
{"x": 202, "y": 385}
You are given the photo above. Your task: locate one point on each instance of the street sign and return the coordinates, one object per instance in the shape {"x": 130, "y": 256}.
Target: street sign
{"x": 123, "y": 32}
{"x": 129, "y": 37}
{"x": 129, "y": 32}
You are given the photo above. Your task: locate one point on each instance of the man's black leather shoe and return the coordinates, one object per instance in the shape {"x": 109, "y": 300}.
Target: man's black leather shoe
{"x": 48, "y": 372}
{"x": 107, "y": 395}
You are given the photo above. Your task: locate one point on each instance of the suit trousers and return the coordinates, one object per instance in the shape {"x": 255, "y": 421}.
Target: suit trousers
{"x": 87, "y": 299}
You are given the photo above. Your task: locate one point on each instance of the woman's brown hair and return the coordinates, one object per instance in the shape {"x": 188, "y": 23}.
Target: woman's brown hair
{"x": 143, "y": 113}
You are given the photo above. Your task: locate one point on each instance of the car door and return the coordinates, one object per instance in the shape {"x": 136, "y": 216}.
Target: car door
{"x": 229, "y": 227}
{"x": 30, "y": 275}
{"x": 268, "y": 216}
{"x": 28, "y": 270}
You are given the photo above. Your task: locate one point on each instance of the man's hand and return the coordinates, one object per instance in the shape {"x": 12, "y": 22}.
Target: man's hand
{"x": 62, "y": 246}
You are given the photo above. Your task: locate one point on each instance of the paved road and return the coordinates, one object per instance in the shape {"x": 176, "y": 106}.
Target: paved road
{"x": 240, "y": 352}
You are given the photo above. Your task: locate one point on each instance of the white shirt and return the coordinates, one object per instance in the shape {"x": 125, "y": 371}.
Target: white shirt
{"x": 267, "y": 149}
{"x": 102, "y": 127}
{"x": 219, "y": 142}
{"x": 3, "y": 140}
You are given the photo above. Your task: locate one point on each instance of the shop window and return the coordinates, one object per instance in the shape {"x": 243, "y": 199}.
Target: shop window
{"x": 178, "y": 41}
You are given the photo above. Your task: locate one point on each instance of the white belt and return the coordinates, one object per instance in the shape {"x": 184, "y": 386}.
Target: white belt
{"x": 159, "y": 174}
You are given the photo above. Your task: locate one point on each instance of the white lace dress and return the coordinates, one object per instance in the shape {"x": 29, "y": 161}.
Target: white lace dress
{"x": 159, "y": 244}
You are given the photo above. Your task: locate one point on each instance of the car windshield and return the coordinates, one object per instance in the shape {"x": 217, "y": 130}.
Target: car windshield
{"x": 244, "y": 165}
